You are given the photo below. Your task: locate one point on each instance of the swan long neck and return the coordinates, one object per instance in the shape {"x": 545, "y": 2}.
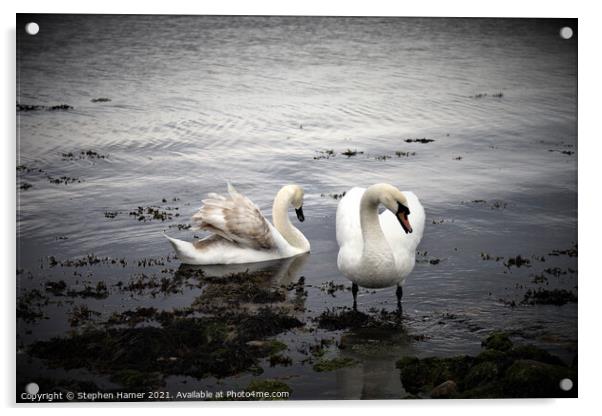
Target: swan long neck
{"x": 371, "y": 230}
{"x": 281, "y": 220}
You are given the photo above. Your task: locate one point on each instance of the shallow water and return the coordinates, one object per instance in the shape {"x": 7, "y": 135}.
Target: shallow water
{"x": 197, "y": 101}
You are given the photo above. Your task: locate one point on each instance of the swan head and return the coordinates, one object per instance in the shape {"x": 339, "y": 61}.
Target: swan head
{"x": 295, "y": 194}
{"x": 396, "y": 202}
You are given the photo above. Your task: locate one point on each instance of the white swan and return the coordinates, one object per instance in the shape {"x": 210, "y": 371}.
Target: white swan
{"x": 240, "y": 233}
{"x": 378, "y": 251}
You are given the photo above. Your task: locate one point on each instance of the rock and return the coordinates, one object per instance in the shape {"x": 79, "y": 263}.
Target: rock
{"x": 444, "y": 390}
{"x": 497, "y": 341}
{"x": 499, "y": 371}
{"x": 499, "y": 357}
{"x": 481, "y": 374}
{"x": 421, "y": 375}
{"x": 528, "y": 378}
{"x": 531, "y": 352}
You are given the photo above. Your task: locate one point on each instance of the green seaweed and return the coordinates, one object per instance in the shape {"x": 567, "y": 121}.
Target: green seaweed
{"x": 497, "y": 341}
{"x": 197, "y": 347}
{"x": 334, "y": 364}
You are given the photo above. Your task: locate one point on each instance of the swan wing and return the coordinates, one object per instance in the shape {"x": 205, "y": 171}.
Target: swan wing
{"x": 404, "y": 244}
{"x": 349, "y": 231}
{"x": 235, "y": 218}
{"x": 215, "y": 249}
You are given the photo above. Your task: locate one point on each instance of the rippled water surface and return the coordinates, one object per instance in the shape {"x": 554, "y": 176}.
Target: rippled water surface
{"x": 261, "y": 102}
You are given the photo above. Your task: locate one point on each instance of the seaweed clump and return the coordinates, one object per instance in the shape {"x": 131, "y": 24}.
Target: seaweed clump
{"x": 84, "y": 154}
{"x": 346, "y": 318}
{"x": 335, "y": 196}
{"x": 334, "y": 364}
{"x": 65, "y": 180}
{"x": 517, "y": 262}
{"x": 29, "y": 305}
{"x": 56, "y": 288}
{"x": 111, "y": 214}
{"x": 36, "y": 107}
{"x": 501, "y": 370}
{"x": 571, "y": 252}
{"x": 484, "y": 94}
{"x": 325, "y": 154}
{"x": 331, "y": 288}
{"x": 81, "y": 314}
{"x": 100, "y": 291}
{"x": 556, "y": 297}
{"x": 399, "y": 153}
{"x": 423, "y": 140}
{"x": 350, "y": 153}
{"x": 153, "y": 213}
{"x": 242, "y": 292}
{"x": 140, "y": 357}
{"x": 497, "y": 341}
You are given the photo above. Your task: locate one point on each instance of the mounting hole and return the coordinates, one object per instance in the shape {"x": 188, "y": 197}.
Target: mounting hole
{"x": 566, "y": 32}
{"x": 32, "y": 388}
{"x": 566, "y": 384}
{"x": 32, "y": 28}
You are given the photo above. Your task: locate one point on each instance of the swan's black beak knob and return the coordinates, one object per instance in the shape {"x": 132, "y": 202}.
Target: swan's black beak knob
{"x": 299, "y": 212}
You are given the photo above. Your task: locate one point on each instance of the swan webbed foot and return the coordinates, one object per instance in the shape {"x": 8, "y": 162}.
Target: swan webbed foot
{"x": 354, "y": 290}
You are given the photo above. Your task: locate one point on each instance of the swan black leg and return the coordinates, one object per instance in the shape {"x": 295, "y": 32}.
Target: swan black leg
{"x": 354, "y": 290}
{"x": 399, "y": 293}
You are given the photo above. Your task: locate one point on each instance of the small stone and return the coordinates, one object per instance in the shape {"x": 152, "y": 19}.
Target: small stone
{"x": 444, "y": 390}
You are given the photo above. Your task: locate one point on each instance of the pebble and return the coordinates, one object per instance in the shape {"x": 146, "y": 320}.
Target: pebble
{"x": 444, "y": 390}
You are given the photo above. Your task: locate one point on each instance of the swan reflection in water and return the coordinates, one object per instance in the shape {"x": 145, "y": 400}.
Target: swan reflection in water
{"x": 375, "y": 375}
{"x": 283, "y": 271}
{"x": 251, "y": 285}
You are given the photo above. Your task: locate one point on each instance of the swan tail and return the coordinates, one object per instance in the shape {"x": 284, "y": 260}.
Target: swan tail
{"x": 183, "y": 249}
{"x": 231, "y": 190}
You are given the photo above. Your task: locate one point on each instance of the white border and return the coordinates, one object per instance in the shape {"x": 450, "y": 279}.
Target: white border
{"x": 590, "y": 197}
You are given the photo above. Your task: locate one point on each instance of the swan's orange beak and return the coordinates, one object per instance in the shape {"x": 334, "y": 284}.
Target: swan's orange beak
{"x": 405, "y": 223}
{"x": 402, "y": 217}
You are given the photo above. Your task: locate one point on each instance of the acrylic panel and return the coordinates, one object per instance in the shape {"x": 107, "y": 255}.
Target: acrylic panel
{"x": 131, "y": 127}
